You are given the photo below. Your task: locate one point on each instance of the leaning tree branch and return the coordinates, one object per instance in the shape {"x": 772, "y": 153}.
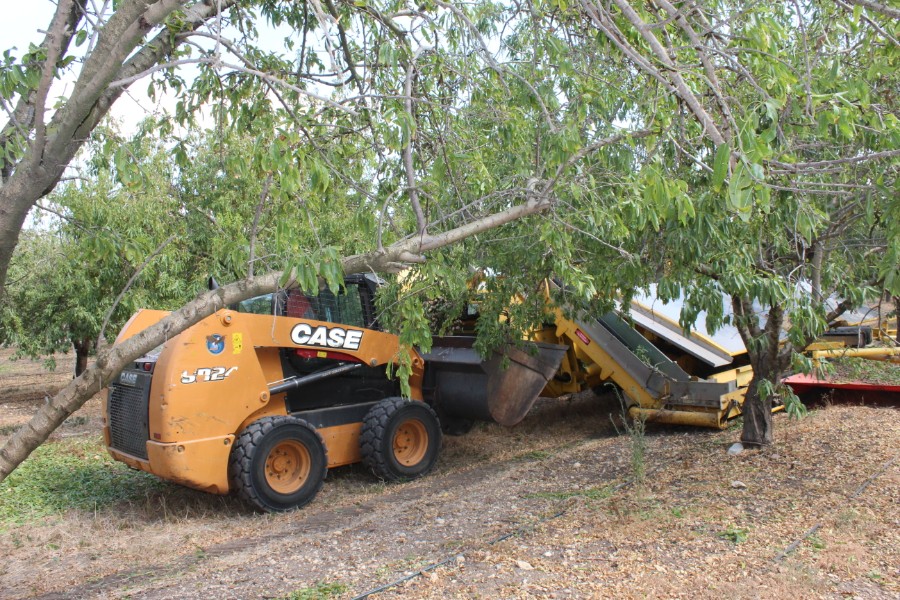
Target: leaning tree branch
{"x": 58, "y": 37}
{"x": 708, "y": 67}
{"x": 110, "y": 362}
{"x": 408, "y": 165}
{"x": 820, "y": 164}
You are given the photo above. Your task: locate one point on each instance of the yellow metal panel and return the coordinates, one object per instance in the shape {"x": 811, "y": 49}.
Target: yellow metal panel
{"x": 196, "y": 394}
{"x": 678, "y": 417}
{"x": 140, "y": 321}
{"x": 741, "y": 376}
{"x": 888, "y": 354}
{"x": 342, "y": 442}
{"x": 200, "y": 464}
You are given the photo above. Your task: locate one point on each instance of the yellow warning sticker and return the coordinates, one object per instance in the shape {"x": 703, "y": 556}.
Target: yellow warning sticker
{"x": 321, "y": 354}
{"x": 237, "y": 342}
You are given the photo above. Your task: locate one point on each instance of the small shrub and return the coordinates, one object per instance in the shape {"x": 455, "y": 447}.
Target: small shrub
{"x": 734, "y": 535}
{"x": 592, "y": 493}
{"x": 535, "y": 455}
{"x": 320, "y": 591}
{"x": 635, "y": 429}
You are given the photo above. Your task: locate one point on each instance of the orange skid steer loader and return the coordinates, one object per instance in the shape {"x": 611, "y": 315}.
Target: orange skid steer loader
{"x": 262, "y": 398}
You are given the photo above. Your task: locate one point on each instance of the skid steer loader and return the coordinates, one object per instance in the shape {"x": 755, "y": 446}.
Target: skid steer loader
{"x": 262, "y": 398}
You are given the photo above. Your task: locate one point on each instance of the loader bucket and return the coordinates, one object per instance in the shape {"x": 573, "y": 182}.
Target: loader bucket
{"x": 466, "y": 386}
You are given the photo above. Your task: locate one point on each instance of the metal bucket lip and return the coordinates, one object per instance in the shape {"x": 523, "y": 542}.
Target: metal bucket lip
{"x": 458, "y": 350}
{"x": 467, "y": 341}
{"x": 545, "y": 363}
{"x": 473, "y": 387}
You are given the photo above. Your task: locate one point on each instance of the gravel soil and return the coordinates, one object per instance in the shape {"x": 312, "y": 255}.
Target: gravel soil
{"x": 548, "y": 509}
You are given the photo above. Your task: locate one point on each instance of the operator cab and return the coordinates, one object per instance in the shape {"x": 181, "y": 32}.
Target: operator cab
{"x": 353, "y": 304}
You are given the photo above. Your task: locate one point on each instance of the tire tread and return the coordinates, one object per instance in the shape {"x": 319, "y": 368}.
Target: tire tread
{"x": 240, "y": 464}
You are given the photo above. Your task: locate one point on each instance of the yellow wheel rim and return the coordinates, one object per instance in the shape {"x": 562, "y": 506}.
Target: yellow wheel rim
{"x": 287, "y": 466}
{"x": 410, "y": 442}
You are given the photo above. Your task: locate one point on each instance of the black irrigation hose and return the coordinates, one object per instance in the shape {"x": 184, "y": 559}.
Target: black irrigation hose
{"x": 434, "y": 566}
{"x": 502, "y": 538}
{"x": 862, "y": 487}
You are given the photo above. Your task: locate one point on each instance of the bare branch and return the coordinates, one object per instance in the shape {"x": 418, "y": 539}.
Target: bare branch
{"x": 495, "y": 66}
{"x": 263, "y": 196}
{"x": 700, "y": 48}
{"x": 810, "y": 166}
{"x": 408, "y": 152}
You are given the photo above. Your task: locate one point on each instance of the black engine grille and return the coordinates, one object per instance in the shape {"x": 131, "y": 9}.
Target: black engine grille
{"x": 128, "y": 421}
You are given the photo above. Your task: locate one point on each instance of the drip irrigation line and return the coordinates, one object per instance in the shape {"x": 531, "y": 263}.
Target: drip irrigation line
{"x": 493, "y": 542}
{"x": 812, "y": 530}
{"x": 456, "y": 557}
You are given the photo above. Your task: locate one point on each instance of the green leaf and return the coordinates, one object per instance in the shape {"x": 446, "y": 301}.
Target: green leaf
{"x": 720, "y": 166}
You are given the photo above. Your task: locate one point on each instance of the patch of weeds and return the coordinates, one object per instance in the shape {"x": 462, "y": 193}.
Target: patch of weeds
{"x": 592, "y": 493}
{"x": 535, "y": 455}
{"x": 735, "y": 535}
{"x": 816, "y": 542}
{"x": 453, "y": 545}
{"x": 736, "y": 423}
{"x": 875, "y": 576}
{"x": 320, "y": 591}
{"x": 847, "y": 517}
{"x": 9, "y": 429}
{"x": 636, "y": 429}
{"x": 75, "y": 473}
{"x": 678, "y": 512}
{"x": 852, "y": 368}
{"x": 379, "y": 487}
{"x": 75, "y": 421}
{"x": 382, "y": 571}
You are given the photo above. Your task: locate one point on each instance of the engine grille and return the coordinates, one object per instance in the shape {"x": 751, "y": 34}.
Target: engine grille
{"x": 129, "y": 428}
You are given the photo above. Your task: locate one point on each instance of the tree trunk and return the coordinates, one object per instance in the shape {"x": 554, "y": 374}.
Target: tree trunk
{"x": 82, "y": 351}
{"x": 768, "y": 357}
{"x": 757, "y": 429}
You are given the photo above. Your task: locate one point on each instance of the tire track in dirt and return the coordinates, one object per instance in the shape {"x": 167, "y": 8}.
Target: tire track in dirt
{"x": 328, "y": 522}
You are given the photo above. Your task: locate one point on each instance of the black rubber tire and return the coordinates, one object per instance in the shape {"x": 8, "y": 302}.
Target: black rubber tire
{"x": 252, "y": 449}
{"x": 379, "y": 429}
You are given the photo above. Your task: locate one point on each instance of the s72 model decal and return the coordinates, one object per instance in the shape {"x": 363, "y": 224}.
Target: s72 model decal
{"x": 207, "y": 374}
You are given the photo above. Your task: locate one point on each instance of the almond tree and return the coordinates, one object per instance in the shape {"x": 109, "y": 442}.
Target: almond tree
{"x": 773, "y": 178}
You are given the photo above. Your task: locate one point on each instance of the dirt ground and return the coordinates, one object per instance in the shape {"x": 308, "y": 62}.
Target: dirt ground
{"x": 548, "y": 509}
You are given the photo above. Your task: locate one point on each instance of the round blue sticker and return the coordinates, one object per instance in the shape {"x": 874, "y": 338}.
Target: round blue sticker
{"x": 215, "y": 343}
